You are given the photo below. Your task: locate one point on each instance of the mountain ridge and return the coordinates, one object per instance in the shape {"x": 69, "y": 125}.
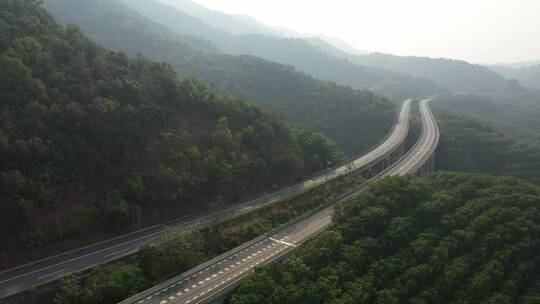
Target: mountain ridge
{"x": 268, "y": 83}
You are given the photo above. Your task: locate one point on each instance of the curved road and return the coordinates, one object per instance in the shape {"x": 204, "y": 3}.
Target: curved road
{"x": 424, "y": 149}
{"x": 225, "y": 272}
{"x": 35, "y": 274}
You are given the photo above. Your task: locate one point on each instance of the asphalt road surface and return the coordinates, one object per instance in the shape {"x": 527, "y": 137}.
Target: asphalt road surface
{"x": 425, "y": 146}
{"x": 231, "y": 269}
{"x": 17, "y": 280}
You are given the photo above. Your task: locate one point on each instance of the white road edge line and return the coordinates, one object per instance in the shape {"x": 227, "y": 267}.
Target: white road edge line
{"x": 52, "y": 273}
{"x": 82, "y": 257}
{"x": 282, "y": 242}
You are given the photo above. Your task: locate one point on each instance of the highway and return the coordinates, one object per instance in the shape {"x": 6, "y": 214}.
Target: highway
{"x": 224, "y": 273}
{"x": 23, "y": 278}
{"x": 425, "y": 147}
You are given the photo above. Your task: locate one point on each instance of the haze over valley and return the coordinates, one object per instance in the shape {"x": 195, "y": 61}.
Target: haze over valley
{"x": 177, "y": 151}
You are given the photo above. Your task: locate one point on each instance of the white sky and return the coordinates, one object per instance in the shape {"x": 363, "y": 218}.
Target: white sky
{"x": 479, "y": 31}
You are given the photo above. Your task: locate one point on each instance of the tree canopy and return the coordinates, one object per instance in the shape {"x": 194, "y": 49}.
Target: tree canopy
{"x": 85, "y": 133}
{"x": 470, "y": 145}
{"x": 445, "y": 238}
{"x": 353, "y": 119}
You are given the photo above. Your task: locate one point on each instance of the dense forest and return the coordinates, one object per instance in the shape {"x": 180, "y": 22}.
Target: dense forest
{"x": 509, "y": 113}
{"x": 455, "y": 75}
{"x": 231, "y": 23}
{"x": 445, "y": 238}
{"x": 319, "y": 56}
{"x": 353, "y": 119}
{"x": 470, "y": 145}
{"x": 86, "y": 132}
{"x": 315, "y": 60}
{"x": 529, "y": 76}
{"x": 180, "y": 250}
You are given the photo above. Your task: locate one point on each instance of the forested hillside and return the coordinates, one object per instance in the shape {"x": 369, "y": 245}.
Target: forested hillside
{"x": 354, "y": 119}
{"x": 528, "y": 76}
{"x": 157, "y": 39}
{"x": 300, "y": 53}
{"x": 445, "y": 238}
{"x": 506, "y": 112}
{"x": 455, "y": 75}
{"x": 86, "y": 132}
{"x": 470, "y": 145}
{"x": 235, "y": 24}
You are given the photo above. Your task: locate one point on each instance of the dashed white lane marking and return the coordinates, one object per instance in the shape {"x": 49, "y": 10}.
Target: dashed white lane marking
{"x": 283, "y": 242}
{"x": 163, "y": 302}
{"x": 51, "y": 274}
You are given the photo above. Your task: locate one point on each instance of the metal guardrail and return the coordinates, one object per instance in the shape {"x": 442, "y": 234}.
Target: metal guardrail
{"x": 265, "y": 236}
{"x": 433, "y": 147}
{"x": 265, "y": 200}
{"x": 223, "y": 256}
{"x": 268, "y": 199}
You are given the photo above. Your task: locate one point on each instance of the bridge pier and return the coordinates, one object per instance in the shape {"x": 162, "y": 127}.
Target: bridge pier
{"x": 427, "y": 168}
{"x": 374, "y": 169}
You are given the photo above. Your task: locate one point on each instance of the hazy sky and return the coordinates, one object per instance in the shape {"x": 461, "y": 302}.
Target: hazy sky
{"x": 480, "y": 31}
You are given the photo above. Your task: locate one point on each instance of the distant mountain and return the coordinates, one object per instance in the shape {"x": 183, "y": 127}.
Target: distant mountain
{"x": 293, "y": 51}
{"x": 307, "y": 58}
{"x": 158, "y": 38}
{"x": 528, "y": 76}
{"x": 319, "y": 59}
{"x": 241, "y": 24}
{"x": 456, "y": 75}
{"x": 234, "y": 24}
{"x": 512, "y": 114}
{"x": 353, "y": 119}
{"x": 343, "y": 45}
{"x": 517, "y": 65}
{"x": 86, "y": 133}
{"x": 326, "y": 46}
